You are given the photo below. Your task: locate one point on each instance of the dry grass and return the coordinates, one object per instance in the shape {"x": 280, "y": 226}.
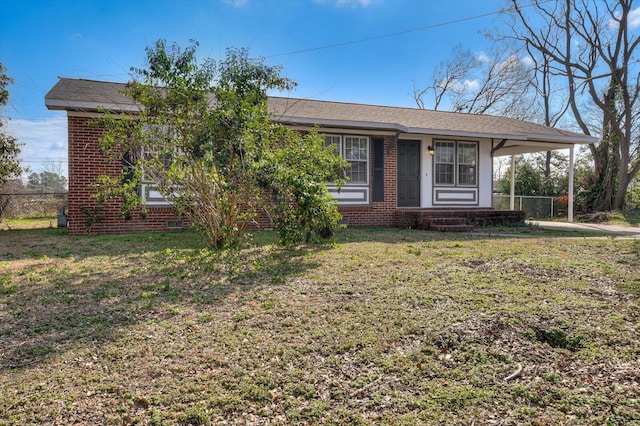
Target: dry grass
{"x": 383, "y": 326}
{"x": 20, "y": 224}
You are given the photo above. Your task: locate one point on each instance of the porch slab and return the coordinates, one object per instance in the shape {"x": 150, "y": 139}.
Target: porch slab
{"x": 476, "y": 217}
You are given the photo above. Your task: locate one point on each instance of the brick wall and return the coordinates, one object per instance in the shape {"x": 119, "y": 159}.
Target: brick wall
{"x": 377, "y": 213}
{"x": 86, "y": 163}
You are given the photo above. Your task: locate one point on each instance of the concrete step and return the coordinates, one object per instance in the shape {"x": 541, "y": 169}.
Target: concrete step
{"x": 430, "y": 222}
{"x": 452, "y": 228}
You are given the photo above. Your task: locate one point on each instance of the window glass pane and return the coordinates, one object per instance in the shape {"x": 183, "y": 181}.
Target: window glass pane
{"x": 332, "y": 140}
{"x": 466, "y": 153}
{"x": 356, "y": 152}
{"x": 357, "y": 173}
{"x": 444, "y": 152}
{"x": 456, "y": 163}
{"x": 466, "y": 174}
{"x": 355, "y": 148}
{"x": 444, "y": 174}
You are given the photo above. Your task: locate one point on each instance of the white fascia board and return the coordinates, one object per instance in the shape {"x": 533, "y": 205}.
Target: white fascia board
{"x": 58, "y": 104}
{"x": 574, "y": 140}
{"x": 455, "y": 133}
{"x": 339, "y": 123}
{"x": 527, "y": 149}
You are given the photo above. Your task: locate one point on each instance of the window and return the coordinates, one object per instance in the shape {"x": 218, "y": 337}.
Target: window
{"x": 467, "y": 163}
{"x": 356, "y": 152}
{"x": 445, "y": 163}
{"x": 456, "y": 163}
{"x": 354, "y": 149}
{"x": 333, "y": 140}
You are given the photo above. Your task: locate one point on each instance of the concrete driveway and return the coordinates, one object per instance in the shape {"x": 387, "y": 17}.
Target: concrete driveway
{"x": 587, "y": 227}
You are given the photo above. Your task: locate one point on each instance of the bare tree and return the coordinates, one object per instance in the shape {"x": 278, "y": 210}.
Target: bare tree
{"x": 494, "y": 83}
{"x": 448, "y": 78}
{"x": 590, "y": 45}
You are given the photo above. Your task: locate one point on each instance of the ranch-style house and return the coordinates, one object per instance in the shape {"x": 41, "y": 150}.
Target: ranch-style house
{"x": 409, "y": 167}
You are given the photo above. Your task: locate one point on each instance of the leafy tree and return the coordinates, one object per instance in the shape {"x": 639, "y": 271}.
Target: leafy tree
{"x": 9, "y": 146}
{"x": 532, "y": 178}
{"x": 633, "y": 196}
{"x": 300, "y": 204}
{"x": 47, "y": 181}
{"x": 204, "y": 137}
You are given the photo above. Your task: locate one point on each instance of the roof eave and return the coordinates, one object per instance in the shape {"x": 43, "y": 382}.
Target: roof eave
{"x": 62, "y": 105}
{"x": 340, "y": 123}
{"x": 530, "y": 139}
{"x": 577, "y": 139}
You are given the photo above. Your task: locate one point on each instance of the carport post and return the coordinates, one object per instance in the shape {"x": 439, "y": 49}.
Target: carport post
{"x": 512, "y": 188}
{"x": 570, "y": 192}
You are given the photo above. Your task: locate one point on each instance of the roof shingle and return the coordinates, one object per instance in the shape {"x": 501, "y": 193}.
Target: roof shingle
{"x": 88, "y": 95}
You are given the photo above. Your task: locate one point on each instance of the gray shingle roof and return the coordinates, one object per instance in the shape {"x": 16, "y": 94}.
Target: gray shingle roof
{"x": 521, "y": 136}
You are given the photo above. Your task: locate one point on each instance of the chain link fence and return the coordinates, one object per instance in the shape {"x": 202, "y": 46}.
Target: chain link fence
{"x": 535, "y": 207}
{"x": 29, "y": 205}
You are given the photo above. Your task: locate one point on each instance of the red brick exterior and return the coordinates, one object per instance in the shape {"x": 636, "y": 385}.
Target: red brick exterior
{"x": 377, "y": 213}
{"x": 86, "y": 163}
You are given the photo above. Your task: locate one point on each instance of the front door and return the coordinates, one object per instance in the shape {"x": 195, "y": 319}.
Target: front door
{"x": 408, "y": 173}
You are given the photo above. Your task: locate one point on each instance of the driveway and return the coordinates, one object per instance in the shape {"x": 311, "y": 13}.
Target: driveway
{"x": 587, "y": 227}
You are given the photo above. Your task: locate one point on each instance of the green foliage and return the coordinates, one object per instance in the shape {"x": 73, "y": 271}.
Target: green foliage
{"x": 206, "y": 140}
{"x": 532, "y": 178}
{"x": 301, "y": 206}
{"x": 632, "y": 201}
{"x": 9, "y": 146}
{"x": 92, "y": 215}
{"x": 47, "y": 181}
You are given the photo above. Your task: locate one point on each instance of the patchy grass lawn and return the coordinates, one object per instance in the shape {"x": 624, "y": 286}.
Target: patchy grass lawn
{"x": 383, "y": 326}
{"x": 626, "y": 218}
{"x": 29, "y": 223}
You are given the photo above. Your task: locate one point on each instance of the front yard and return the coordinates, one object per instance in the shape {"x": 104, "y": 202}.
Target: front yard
{"x": 382, "y": 326}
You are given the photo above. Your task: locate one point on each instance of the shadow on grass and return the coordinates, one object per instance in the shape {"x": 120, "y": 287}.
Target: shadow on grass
{"x": 63, "y": 291}
{"x": 57, "y": 291}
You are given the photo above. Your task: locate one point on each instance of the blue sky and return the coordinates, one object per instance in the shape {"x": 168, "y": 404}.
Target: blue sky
{"x": 41, "y": 40}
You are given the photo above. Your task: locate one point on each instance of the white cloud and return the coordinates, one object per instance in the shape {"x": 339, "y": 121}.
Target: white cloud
{"x": 470, "y": 85}
{"x": 483, "y": 57}
{"x": 634, "y": 18}
{"x": 236, "y": 3}
{"x": 527, "y": 61}
{"x": 462, "y": 85}
{"x": 44, "y": 141}
{"x": 354, "y": 3}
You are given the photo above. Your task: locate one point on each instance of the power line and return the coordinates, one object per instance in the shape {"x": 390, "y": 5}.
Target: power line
{"x": 44, "y": 161}
{"x": 394, "y": 34}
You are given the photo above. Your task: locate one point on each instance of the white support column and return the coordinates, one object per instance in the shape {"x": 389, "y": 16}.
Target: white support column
{"x": 570, "y": 192}
{"x": 512, "y": 188}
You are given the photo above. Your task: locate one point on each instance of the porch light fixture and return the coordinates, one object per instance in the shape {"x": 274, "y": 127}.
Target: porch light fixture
{"x": 430, "y": 150}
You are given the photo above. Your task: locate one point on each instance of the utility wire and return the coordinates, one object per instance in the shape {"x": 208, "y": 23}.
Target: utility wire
{"x": 413, "y": 30}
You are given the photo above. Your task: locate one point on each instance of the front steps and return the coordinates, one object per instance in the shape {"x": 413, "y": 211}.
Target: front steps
{"x": 446, "y": 224}
{"x": 455, "y": 220}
